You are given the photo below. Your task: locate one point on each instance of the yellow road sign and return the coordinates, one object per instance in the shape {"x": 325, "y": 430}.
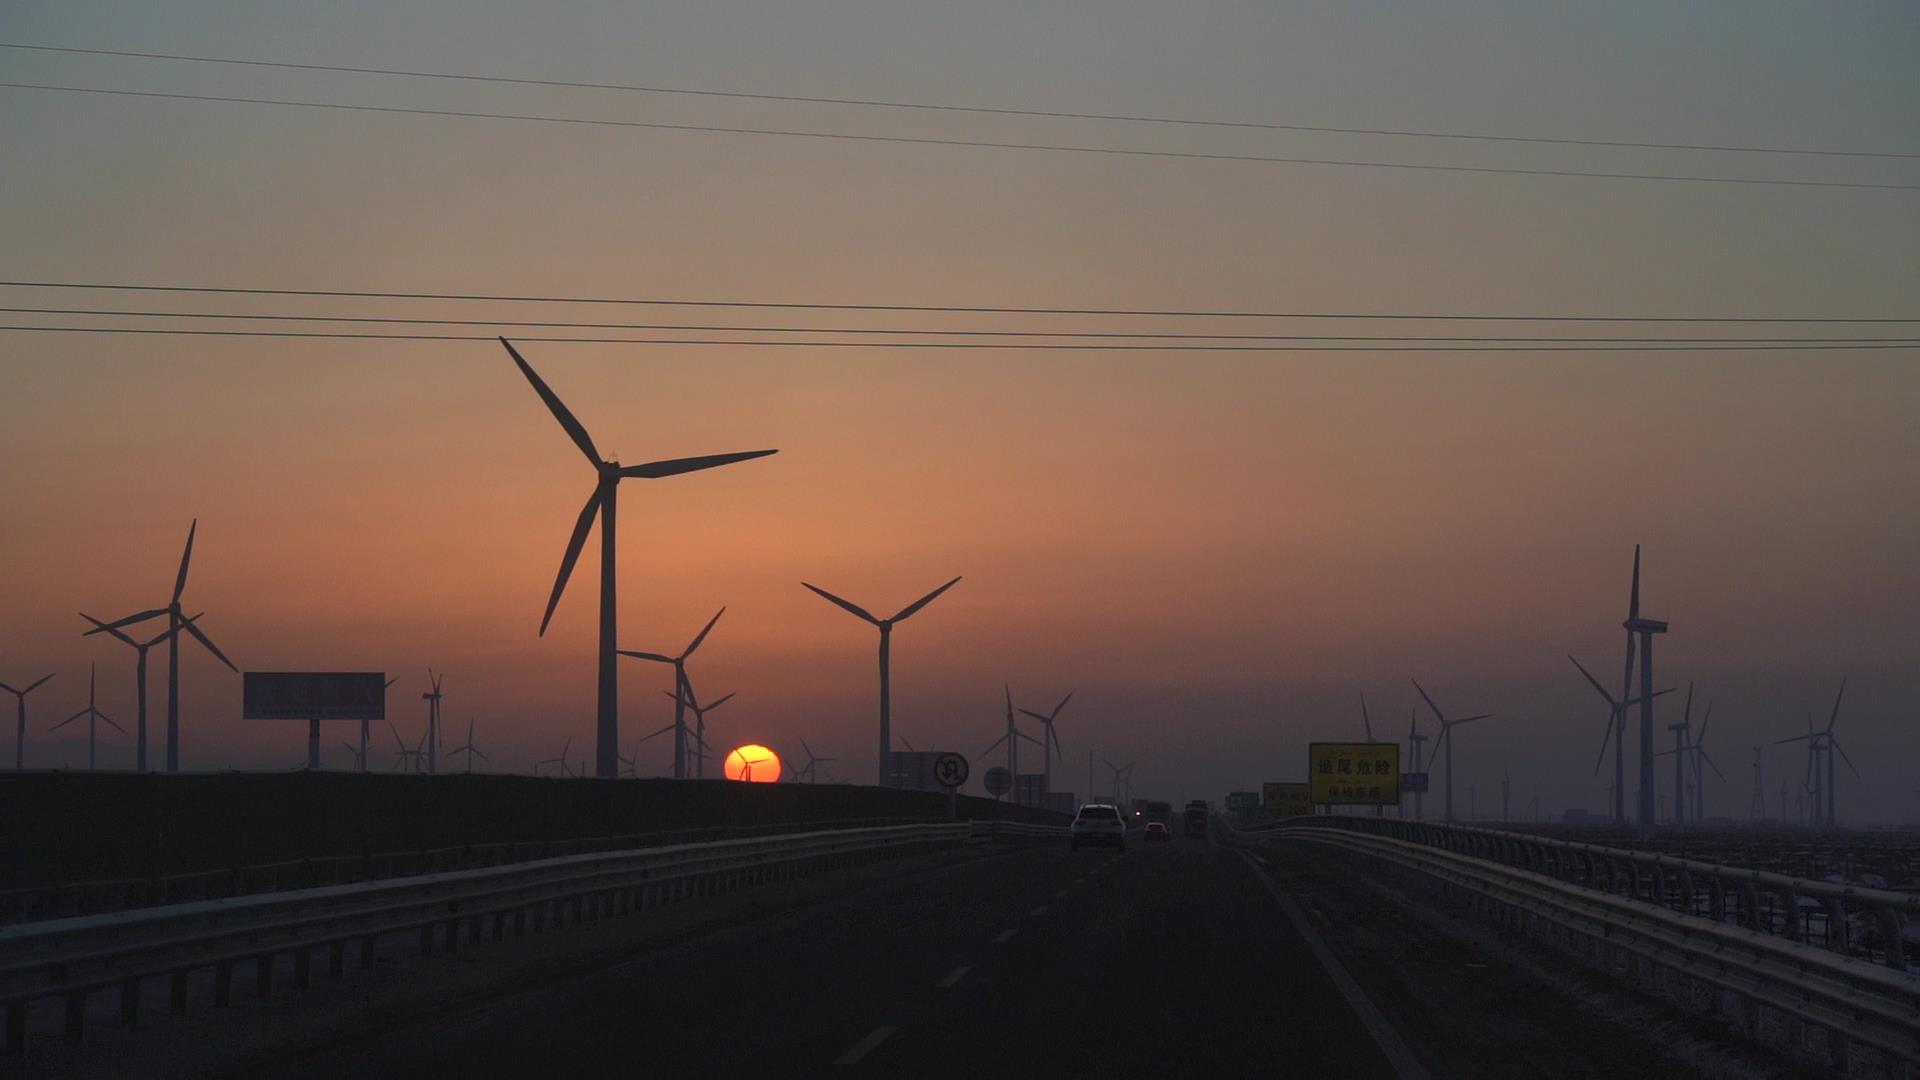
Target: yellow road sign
{"x": 1285, "y": 800}
{"x": 1354, "y": 774}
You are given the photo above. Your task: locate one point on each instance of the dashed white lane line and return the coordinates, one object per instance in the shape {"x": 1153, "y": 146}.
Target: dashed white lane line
{"x": 864, "y": 1046}
{"x": 1037, "y": 912}
{"x": 1006, "y": 936}
{"x": 953, "y": 977}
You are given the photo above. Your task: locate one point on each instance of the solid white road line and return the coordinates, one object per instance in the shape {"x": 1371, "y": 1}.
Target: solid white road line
{"x": 953, "y": 977}
{"x": 1405, "y": 1065}
{"x": 1006, "y": 936}
{"x": 864, "y": 1046}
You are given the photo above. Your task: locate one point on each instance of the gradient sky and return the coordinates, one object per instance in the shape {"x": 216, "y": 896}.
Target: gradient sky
{"x": 1220, "y": 553}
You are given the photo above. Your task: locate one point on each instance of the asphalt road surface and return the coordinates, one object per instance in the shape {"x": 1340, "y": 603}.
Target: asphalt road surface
{"x": 1170, "y": 960}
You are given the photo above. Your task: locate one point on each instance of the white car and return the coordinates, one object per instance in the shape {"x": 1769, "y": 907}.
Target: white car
{"x": 1099, "y": 823}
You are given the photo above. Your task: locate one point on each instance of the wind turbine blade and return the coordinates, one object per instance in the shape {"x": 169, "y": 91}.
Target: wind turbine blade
{"x": 1835, "y": 743}
{"x": 1058, "y": 751}
{"x": 1469, "y": 719}
{"x": 1794, "y": 738}
{"x": 390, "y": 682}
{"x": 702, "y": 636}
{"x": 1716, "y": 769}
{"x": 114, "y": 630}
{"x": 1031, "y": 739}
{"x": 1436, "y": 709}
{"x": 1365, "y": 719}
{"x": 574, "y": 543}
{"x": 1686, "y": 713}
{"x": 1445, "y": 730}
{"x": 847, "y": 604}
{"x": 1835, "y": 716}
{"x": 479, "y": 753}
{"x": 1704, "y": 721}
{"x": 36, "y": 683}
{"x": 186, "y": 556}
{"x": 1633, "y": 598}
{"x": 908, "y": 745}
{"x": 115, "y": 726}
{"x": 1597, "y": 688}
{"x": 923, "y": 601}
{"x": 655, "y": 470}
{"x": 129, "y": 620}
{"x": 208, "y": 642}
{"x": 646, "y": 656}
{"x": 808, "y": 749}
{"x": 993, "y": 744}
{"x": 1604, "y": 740}
{"x": 68, "y": 720}
{"x": 712, "y": 705}
{"x": 555, "y": 406}
{"x": 1035, "y": 715}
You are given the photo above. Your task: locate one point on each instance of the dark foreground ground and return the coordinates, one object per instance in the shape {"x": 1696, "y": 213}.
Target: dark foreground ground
{"x": 1176, "y": 960}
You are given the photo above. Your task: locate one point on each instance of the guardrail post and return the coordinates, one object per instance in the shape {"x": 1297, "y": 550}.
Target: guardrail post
{"x": 1838, "y": 932}
{"x": 1892, "y": 931}
{"x": 1750, "y": 907}
{"x": 1790, "y": 921}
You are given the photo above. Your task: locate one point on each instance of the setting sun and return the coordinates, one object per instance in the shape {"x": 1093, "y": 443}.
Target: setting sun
{"x": 753, "y": 763}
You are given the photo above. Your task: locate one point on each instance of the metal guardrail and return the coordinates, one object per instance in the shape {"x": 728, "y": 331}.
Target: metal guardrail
{"x": 73, "y": 958}
{"x": 121, "y": 894}
{"x": 1590, "y": 899}
{"x": 988, "y": 829}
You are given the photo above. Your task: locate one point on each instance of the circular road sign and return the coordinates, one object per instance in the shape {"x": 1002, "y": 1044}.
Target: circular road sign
{"x": 999, "y": 781}
{"x": 950, "y": 769}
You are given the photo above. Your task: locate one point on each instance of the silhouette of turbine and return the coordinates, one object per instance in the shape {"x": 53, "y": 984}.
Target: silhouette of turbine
{"x": 814, "y": 761}
{"x": 20, "y": 724}
{"x": 699, "y": 748}
{"x": 1049, "y": 738}
{"x": 469, "y": 749}
{"x": 175, "y": 623}
{"x": 139, "y": 682}
{"x": 601, "y": 504}
{"x": 680, "y": 686}
{"x": 432, "y": 698}
{"x": 886, "y": 645}
{"x": 1446, "y": 729}
{"x": 92, "y": 714}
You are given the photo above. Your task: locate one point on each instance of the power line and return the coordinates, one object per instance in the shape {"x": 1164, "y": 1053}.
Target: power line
{"x": 923, "y": 332}
{"x": 970, "y": 345}
{"x": 1111, "y": 151}
{"x": 880, "y": 103}
{"x": 950, "y": 308}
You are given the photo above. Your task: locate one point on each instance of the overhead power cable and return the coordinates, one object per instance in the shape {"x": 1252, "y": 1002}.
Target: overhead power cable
{"x": 972, "y": 345}
{"x": 1110, "y": 151}
{"x": 879, "y": 103}
{"x": 925, "y": 331}
{"x": 945, "y": 308}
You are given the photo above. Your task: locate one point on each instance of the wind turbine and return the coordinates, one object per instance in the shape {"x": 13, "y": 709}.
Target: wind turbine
{"x": 1121, "y": 774}
{"x": 601, "y": 503}
{"x": 359, "y": 756}
{"x": 1645, "y": 628}
{"x": 176, "y": 622}
{"x": 1012, "y": 738}
{"x": 469, "y": 749}
{"x": 1446, "y": 729}
{"x": 432, "y": 698}
{"x": 1825, "y": 743}
{"x": 814, "y": 761}
{"x": 680, "y": 684}
{"x": 92, "y": 714}
{"x": 139, "y": 681}
{"x": 1617, "y": 731}
{"x": 1680, "y": 732}
{"x": 20, "y": 724}
{"x": 1700, "y": 758}
{"x": 1414, "y": 739}
{"x": 886, "y": 645}
{"x": 1049, "y": 738}
{"x": 700, "y": 724}
{"x": 407, "y": 758}
{"x": 561, "y": 760}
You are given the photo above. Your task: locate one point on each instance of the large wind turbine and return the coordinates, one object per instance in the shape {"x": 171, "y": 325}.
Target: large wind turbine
{"x": 176, "y": 622}
{"x": 20, "y": 725}
{"x": 1049, "y": 738}
{"x": 1012, "y": 738}
{"x": 1446, "y": 729}
{"x": 432, "y": 698}
{"x": 601, "y": 503}
{"x": 886, "y": 639}
{"x": 1821, "y": 743}
{"x": 469, "y": 749}
{"x": 92, "y": 714}
{"x": 1645, "y": 628}
{"x": 814, "y": 761}
{"x": 680, "y": 687}
{"x": 698, "y": 748}
{"x": 139, "y": 682}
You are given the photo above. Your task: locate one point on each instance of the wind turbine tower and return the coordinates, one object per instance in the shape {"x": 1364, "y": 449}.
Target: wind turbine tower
{"x": 432, "y": 698}
{"x": 20, "y": 723}
{"x": 1049, "y": 739}
{"x": 1645, "y": 628}
{"x": 1414, "y": 741}
{"x": 1012, "y": 739}
{"x": 682, "y": 690}
{"x": 886, "y": 647}
{"x": 601, "y": 504}
{"x": 92, "y": 714}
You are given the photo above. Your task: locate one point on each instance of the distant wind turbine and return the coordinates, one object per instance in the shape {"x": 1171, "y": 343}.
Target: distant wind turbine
{"x": 432, "y": 698}
{"x": 1049, "y": 738}
{"x": 1819, "y": 744}
{"x": 1414, "y": 739}
{"x": 1446, "y": 730}
{"x": 561, "y": 761}
{"x": 699, "y": 745}
{"x": 1645, "y": 628}
{"x": 814, "y": 761}
{"x": 1616, "y": 730}
{"x": 176, "y": 622}
{"x": 469, "y": 749}
{"x": 139, "y": 682}
{"x": 92, "y": 714}
{"x": 1012, "y": 738}
{"x": 407, "y": 759}
{"x": 601, "y": 503}
{"x": 886, "y": 645}
{"x": 20, "y": 724}
{"x": 680, "y": 685}
{"x": 360, "y": 758}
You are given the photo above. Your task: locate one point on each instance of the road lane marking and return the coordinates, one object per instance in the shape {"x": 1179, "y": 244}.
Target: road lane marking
{"x": 864, "y": 1046}
{"x": 1392, "y": 1047}
{"x": 953, "y": 977}
{"x": 1037, "y": 912}
{"x": 1006, "y": 936}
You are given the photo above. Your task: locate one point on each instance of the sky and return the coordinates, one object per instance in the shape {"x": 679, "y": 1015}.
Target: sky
{"x": 1218, "y": 552}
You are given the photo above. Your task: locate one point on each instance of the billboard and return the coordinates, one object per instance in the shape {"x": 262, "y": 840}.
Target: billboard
{"x": 1245, "y": 803}
{"x": 1285, "y": 800}
{"x": 313, "y": 695}
{"x": 1413, "y": 783}
{"x": 1354, "y": 774}
{"x": 913, "y": 770}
